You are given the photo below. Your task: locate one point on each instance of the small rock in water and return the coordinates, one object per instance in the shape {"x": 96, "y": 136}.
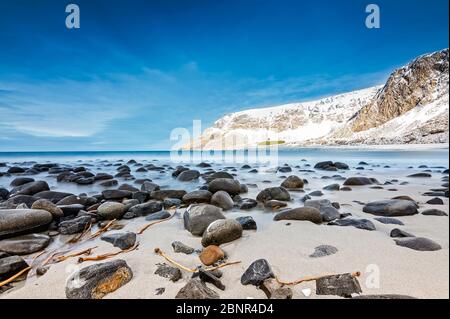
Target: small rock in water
{"x": 179, "y": 247}
{"x": 339, "y": 285}
{"x": 332, "y": 187}
{"x": 418, "y": 243}
{"x": 231, "y": 186}
{"x": 247, "y": 204}
{"x": 121, "y": 240}
{"x": 257, "y": 273}
{"x": 323, "y": 250}
{"x": 420, "y": 175}
{"x": 276, "y": 193}
{"x": 188, "y": 176}
{"x": 211, "y": 254}
{"x": 293, "y": 182}
{"x": 24, "y": 245}
{"x": 274, "y": 204}
{"x": 166, "y": 271}
{"x": 98, "y": 280}
{"x": 360, "y": 181}
{"x": 196, "y": 289}
{"x": 197, "y": 197}
{"x": 247, "y": 223}
{"x": 316, "y": 194}
{"x": 159, "y": 291}
{"x": 398, "y": 233}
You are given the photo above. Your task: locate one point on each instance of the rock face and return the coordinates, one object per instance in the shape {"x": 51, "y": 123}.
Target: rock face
{"x": 121, "y": 240}
{"x": 221, "y": 231}
{"x": 391, "y": 208}
{"x": 111, "y": 210}
{"x": 418, "y": 243}
{"x": 408, "y": 87}
{"x": 274, "y": 193}
{"x": 21, "y": 221}
{"x": 24, "y": 245}
{"x": 292, "y": 182}
{"x": 339, "y": 285}
{"x": 198, "y": 218}
{"x": 96, "y": 281}
{"x": 196, "y": 289}
{"x": 302, "y": 213}
{"x": 257, "y": 273}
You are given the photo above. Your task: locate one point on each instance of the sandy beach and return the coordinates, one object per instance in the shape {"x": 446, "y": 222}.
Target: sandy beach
{"x": 385, "y": 267}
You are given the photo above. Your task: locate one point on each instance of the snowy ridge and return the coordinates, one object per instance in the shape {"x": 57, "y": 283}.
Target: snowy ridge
{"x": 412, "y": 107}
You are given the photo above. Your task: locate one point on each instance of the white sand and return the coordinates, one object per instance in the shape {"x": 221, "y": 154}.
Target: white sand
{"x": 287, "y": 248}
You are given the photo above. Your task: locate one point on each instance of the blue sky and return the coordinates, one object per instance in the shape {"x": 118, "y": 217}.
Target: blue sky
{"x": 137, "y": 69}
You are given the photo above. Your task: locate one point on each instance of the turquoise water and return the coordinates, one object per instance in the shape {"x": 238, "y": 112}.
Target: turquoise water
{"x": 431, "y": 157}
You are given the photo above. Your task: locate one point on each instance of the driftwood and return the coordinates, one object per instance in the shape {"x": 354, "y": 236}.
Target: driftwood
{"x": 83, "y": 252}
{"x": 158, "y": 251}
{"x": 310, "y": 278}
{"x": 108, "y": 255}
{"x": 103, "y": 230}
{"x": 11, "y": 279}
{"x": 143, "y": 229}
{"x": 76, "y": 238}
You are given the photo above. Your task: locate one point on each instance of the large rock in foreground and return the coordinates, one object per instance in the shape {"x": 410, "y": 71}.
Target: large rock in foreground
{"x": 96, "y": 281}
{"x": 14, "y": 222}
{"x": 391, "y": 208}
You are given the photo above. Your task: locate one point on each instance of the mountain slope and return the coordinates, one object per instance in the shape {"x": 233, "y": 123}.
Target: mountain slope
{"x": 411, "y": 108}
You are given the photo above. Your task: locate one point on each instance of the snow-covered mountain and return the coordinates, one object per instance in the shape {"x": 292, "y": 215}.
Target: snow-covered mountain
{"x": 411, "y": 108}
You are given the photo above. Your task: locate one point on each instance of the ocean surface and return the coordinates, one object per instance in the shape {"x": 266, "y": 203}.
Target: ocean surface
{"x": 399, "y": 158}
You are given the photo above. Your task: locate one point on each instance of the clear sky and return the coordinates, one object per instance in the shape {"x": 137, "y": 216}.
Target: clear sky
{"x": 135, "y": 69}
